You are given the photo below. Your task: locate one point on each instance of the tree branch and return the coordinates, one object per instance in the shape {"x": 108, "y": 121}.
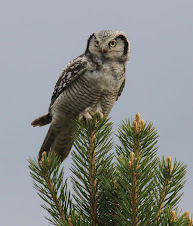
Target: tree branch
{"x": 93, "y": 180}
{"x": 50, "y": 184}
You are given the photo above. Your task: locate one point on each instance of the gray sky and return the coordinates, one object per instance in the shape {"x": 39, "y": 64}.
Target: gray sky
{"x": 37, "y": 40}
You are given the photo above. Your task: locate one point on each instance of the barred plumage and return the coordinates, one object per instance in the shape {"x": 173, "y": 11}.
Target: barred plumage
{"x": 89, "y": 84}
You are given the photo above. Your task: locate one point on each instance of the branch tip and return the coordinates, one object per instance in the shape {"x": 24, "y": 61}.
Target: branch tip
{"x": 138, "y": 123}
{"x": 70, "y": 222}
{"x": 44, "y": 155}
{"x": 186, "y": 214}
{"x": 132, "y": 157}
{"x": 173, "y": 219}
{"x": 137, "y": 117}
{"x": 170, "y": 166}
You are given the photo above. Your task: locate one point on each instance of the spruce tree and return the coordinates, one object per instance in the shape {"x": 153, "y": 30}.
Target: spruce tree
{"x": 123, "y": 184}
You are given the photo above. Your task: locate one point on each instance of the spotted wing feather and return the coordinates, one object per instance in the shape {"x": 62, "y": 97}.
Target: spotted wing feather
{"x": 72, "y": 71}
{"x": 121, "y": 90}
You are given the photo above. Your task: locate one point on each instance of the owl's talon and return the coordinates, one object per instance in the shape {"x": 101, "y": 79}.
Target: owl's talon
{"x": 85, "y": 115}
{"x": 100, "y": 114}
{"x": 92, "y": 113}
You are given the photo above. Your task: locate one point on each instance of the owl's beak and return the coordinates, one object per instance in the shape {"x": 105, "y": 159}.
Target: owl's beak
{"x": 103, "y": 50}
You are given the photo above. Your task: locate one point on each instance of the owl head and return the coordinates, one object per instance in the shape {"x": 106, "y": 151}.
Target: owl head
{"x": 109, "y": 45}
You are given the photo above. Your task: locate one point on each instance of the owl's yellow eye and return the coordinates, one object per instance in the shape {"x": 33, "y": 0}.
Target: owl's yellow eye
{"x": 96, "y": 43}
{"x": 113, "y": 43}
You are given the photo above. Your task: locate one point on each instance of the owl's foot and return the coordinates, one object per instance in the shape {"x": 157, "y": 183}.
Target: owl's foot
{"x": 100, "y": 114}
{"x": 89, "y": 115}
{"x": 85, "y": 115}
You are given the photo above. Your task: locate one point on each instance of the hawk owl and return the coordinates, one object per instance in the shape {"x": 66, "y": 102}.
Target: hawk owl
{"x": 89, "y": 84}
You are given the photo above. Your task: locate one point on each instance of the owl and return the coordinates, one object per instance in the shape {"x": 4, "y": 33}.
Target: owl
{"x": 91, "y": 83}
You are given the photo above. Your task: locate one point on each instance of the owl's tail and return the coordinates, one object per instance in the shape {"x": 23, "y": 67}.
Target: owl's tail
{"x": 58, "y": 141}
{"x": 42, "y": 121}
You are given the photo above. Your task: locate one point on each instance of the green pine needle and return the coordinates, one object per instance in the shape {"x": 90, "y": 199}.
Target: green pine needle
{"x": 129, "y": 187}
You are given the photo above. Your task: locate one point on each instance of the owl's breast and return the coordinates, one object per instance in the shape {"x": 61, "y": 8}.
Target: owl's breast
{"x": 109, "y": 77}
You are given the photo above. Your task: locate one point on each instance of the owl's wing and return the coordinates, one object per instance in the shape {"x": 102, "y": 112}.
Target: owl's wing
{"x": 73, "y": 70}
{"x": 121, "y": 89}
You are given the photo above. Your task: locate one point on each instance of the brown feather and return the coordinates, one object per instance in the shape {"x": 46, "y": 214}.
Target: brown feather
{"x": 42, "y": 121}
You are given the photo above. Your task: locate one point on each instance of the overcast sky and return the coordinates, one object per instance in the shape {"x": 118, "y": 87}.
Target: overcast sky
{"x": 37, "y": 40}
